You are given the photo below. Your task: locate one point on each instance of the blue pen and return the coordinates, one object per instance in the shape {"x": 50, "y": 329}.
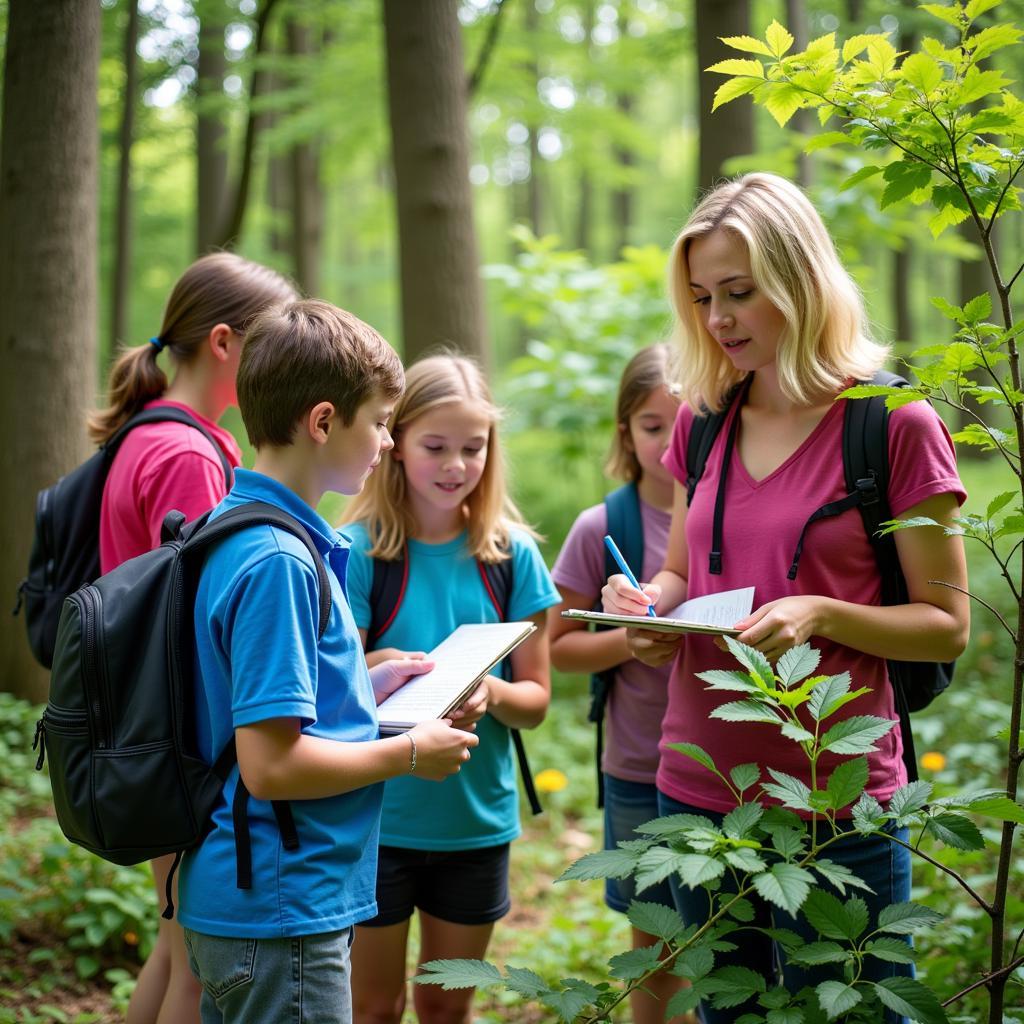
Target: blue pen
{"x": 621, "y": 563}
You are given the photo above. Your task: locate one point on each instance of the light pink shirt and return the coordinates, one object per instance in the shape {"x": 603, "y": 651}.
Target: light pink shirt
{"x": 160, "y": 467}
{"x": 763, "y": 520}
{"x": 638, "y": 696}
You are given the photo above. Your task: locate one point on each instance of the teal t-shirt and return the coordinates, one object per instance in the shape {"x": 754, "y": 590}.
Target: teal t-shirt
{"x": 479, "y": 806}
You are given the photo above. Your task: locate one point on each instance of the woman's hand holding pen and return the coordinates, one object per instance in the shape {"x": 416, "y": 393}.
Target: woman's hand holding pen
{"x": 620, "y": 597}
{"x": 391, "y": 675}
{"x": 441, "y": 749}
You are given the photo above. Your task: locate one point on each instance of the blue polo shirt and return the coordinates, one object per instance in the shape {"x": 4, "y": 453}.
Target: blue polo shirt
{"x": 256, "y": 617}
{"x": 479, "y": 806}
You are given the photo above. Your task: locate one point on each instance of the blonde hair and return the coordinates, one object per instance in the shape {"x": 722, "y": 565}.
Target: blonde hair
{"x": 793, "y": 261}
{"x": 489, "y": 513}
{"x": 652, "y": 367}
{"x": 221, "y": 288}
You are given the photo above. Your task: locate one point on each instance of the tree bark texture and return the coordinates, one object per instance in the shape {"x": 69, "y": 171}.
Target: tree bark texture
{"x": 211, "y": 133}
{"x": 48, "y": 189}
{"x": 120, "y": 297}
{"x": 729, "y": 131}
{"x": 622, "y": 197}
{"x": 442, "y": 301}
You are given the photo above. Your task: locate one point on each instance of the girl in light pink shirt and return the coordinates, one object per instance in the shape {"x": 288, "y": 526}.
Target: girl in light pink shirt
{"x": 171, "y": 465}
{"x": 763, "y": 302}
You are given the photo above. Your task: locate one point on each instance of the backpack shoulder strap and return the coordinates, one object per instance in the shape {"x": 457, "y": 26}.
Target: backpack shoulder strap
{"x": 498, "y": 579}
{"x": 168, "y": 414}
{"x": 207, "y": 532}
{"x": 866, "y": 468}
{"x": 390, "y": 579}
{"x": 704, "y": 428}
{"x": 626, "y": 527}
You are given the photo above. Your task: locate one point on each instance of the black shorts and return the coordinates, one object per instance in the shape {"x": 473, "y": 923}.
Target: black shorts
{"x": 459, "y": 886}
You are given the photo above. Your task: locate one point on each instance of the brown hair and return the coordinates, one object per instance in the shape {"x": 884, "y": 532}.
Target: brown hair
{"x": 221, "y": 288}
{"x": 488, "y": 512}
{"x": 654, "y": 366}
{"x": 307, "y": 352}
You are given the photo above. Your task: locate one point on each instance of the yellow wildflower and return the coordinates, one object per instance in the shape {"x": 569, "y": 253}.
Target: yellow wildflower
{"x": 933, "y": 761}
{"x": 551, "y": 780}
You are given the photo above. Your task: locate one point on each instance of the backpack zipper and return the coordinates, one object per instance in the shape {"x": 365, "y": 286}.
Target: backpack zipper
{"x": 89, "y": 604}
{"x": 59, "y": 721}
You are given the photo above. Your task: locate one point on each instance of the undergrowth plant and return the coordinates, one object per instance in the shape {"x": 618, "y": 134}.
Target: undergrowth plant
{"x": 944, "y": 128}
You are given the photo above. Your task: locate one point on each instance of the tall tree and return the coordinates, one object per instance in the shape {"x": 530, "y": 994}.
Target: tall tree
{"x": 730, "y": 132}
{"x": 48, "y": 186}
{"x": 123, "y": 227}
{"x": 442, "y": 300}
{"x": 211, "y": 131}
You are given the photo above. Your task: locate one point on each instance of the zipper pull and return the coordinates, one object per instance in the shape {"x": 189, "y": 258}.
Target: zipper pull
{"x": 21, "y": 596}
{"x": 40, "y": 742}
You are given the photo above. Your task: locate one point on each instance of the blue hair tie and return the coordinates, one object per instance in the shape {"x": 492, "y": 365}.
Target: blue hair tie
{"x": 157, "y": 343}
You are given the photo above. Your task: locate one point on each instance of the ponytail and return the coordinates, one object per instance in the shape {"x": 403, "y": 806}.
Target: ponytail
{"x": 135, "y": 379}
{"x": 221, "y": 288}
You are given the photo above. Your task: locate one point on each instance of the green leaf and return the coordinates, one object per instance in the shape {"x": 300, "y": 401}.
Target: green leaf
{"x": 747, "y": 44}
{"x": 744, "y": 859}
{"x": 660, "y": 921}
{"x": 602, "y": 864}
{"x": 789, "y": 791}
{"x": 797, "y": 733}
{"x": 745, "y": 775}
{"x": 697, "y": 868}
{"x": 912, "y": 999}
{"x": 571, "y": 1002}
{"x": 785, "y": 1015}
{"x": 906, "y": 918}
{"x": 950, "y": 15}
{"x": 785, "y": 885}
{"x": 815, "y": 953}
{"x": 788, "y": 841}
{"x": 881, "y": 56}
{"x": 745, "y": 711}
{"x": 999, "y": 502}
{"x": 835, "y": 998}
{"x": 734, "y": 985}
{"x": 740, "y": 820}
{"x": 856, "y": 735}
{"x": 695, "y": 753}
{"x": 454, "y": 974}
{"x": 525, "y": 982}
{"x": 694, "y": 963}
{"x": 997, "y": 806}
{"x": 673, "y": 826}
{"x": 636, "y": 963}
{"x": 733, "y": 66}
{"x": 835, "y": 919}
{"x": 868, "y": 814}
{"x": 904, "y": 177}
{"x": 986, "y": 42}
{"x": 839, "y": 875}
{"x": 825, "y": 139}
{"x": 910, "y": 798}
{"x": 728, "y": 679}
{"x": 733, "y": 89}
{"x": 855, "y": 46}
{"x": 782, "y": 102}
{"x": 753, "y": 661}
{"x": 858, "y": 176}
{"x": 847, "y": 782}
{"x": 655, "y": 865}
{"x": 893, "y": 951}
{"x": 797, "y": 664}
{"x": 979, "y": 84}
{"x": 829, "y": 695}
{"x": 922, "y": 72}
{"x": 778, "y": 39}
{"x": 978, "y": 308}
{"x": 976, "y": 8}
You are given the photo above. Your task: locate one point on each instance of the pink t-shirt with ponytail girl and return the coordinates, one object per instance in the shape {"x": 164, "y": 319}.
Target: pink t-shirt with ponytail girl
{"x": 762, "y": 524}
{"x": 160, "y": 467}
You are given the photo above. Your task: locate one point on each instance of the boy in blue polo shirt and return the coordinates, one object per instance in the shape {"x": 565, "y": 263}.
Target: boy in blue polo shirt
{"x": 316, "y": 387}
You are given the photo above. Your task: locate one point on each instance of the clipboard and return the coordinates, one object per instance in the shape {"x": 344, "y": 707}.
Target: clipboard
{"x": 657, "y": 623}
{"x": 462, "y": 660}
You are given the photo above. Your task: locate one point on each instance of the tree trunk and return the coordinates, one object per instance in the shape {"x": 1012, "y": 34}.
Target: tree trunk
{"x": 123, "y": 230}
{"x": 730, "y": 131}
{"x": 622, "y": 197}
{"x": 442, "y": 300}
{"x": 48, "y": 187}
{"x": 534, "y": 201}
{"x": 584, "y": 210}
{"x": 804, "y": 121}
{"x": 307, "y": 199}
{"x": 853, "y": 12}
{"x": 211, "y": 133}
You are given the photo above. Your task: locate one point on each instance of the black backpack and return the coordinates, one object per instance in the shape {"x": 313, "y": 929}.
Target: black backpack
{"x": 387, "y": 591}
{"x": 119, "y": 728}
{"x": 866, "y": 468}
{"x": 66, "y": 544}
{"x": 626, "y": 528}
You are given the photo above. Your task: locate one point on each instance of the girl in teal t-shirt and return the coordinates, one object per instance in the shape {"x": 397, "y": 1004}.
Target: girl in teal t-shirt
{"x": 439, "y": 502}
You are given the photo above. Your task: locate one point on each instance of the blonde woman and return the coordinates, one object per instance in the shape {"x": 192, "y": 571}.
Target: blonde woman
{"x": 771, "y": 328}
{"x": 437, "y": 505}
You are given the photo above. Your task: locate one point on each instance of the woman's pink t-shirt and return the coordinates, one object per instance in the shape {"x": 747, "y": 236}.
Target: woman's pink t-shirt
{"x": 763, "y": 520}
{"x": 160, "y": 467}
{"x": 638, "y": 697}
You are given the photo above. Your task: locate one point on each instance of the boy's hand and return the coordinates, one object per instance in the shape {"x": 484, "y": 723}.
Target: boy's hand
{"x": 473, "y": 708}
{"x": 441, "y": 750}
{"x": 392, "y": 675}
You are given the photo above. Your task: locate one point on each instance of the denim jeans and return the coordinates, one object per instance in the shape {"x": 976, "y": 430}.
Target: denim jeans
{"x": 883, "y": 865}
{"x": 300, "y": 980}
